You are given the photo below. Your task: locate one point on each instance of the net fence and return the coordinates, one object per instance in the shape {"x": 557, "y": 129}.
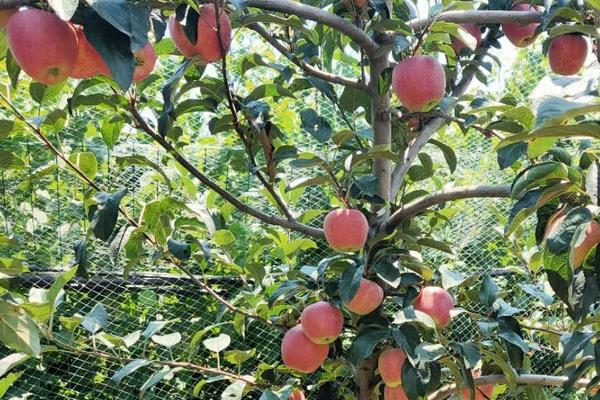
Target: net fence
{"x": 43, "y": 206}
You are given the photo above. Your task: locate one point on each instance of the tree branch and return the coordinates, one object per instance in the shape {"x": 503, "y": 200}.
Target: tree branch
{"x": 464, "y": 192}
{"x": 411, "y": 152}
{"x": 284, "y": 223}
{"x": 307, "y": 68}
{"x": 320, "y": 16}
{"x": 479, "y": 17}
{"x": 539, "y": 380}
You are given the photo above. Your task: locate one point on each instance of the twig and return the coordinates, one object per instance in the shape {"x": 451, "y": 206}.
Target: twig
{"x": 237, "y": 126}
{"x": 307, "y": 68}
{"x": 293, "y": 225}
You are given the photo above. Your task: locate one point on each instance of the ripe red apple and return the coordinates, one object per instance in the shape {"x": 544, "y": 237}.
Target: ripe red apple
{"x": 483, "y": 392}
{"x": 89, "y": 62}
{"x": 567, "y": 54}
{"x": 367, "y": 299}
{"x": 582, "y": 248}
{"x": 346, "y": 229}
{"x": 300, "y": 353}
{"x": 5, "y": 16}
{"x": 437, "y": 303}
{"x": 474, "y": 30}
{"x": 419, "y": 82}
{"x": 394, "y": 393}
{"x": 390, "y": 366}
{"x": 44, "y": 46}
{"x": 207, "y": 47}
{"x": 322, "y": 322}
{"x": 297, "y": 395}
{"x": 521, "y": 35}
{"x": 145, "y": 60}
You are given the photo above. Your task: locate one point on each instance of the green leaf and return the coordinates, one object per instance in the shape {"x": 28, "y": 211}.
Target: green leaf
{"x": 217, "y": 344}
{"x": 181, "y": 250}
{"x": 583, "y": 130}
{"x": 234, "y": 391}
{"x": 365, "y": 343}
{"x": 154, "y": 327}
{"x": 64, "y": 8}
{"x": 9, "y": 160}
{"x": 166, "y": 373}
{"x": 510, "y": 154}
{"x": 6, "y": 383}
{"x": 489, "y": 291}
{"x": 350, "y": 282}
{"x": 223, "y": 237}
{"x": 167, "y": 341}
{"x": 96, "y": 319}
{"x": 448, "y": 152}
{"x": 507, "y": 369}
{"x": 10, "y": 268}
{"x": 316, "y": 125}
{"x": 238, "y": 357}
{"x": 12, "y": 360}
{"x": 18, "y": 331}
{"x": 573, "y": 344}
{"x": 563, "y": 29}
{"x": 538, "y": 175}
{"x": 13, "y": 70}
{"x": 86, "y": 162}
{"x": 113, "y": 45}
{"x": 104, "y": 214}
{"x": 111, "y": 130}
{"x": 268, "y": 90}
{"x": 128, "y": 369}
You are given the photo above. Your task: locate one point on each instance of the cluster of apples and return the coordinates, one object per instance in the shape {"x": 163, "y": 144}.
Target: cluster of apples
{"x": 51, "y": 50}
{"x": 420, "y": 81}
{"x": 566, "y": 53}
{"x": 305, "y": 347}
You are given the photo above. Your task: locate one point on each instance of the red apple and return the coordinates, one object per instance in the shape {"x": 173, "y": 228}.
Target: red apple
{"x": 419, "y": 82}
{"x": 474, "y": 30}
{"x": 207, "y": 47}
{"x": 89, "y": 62}
{"x": 521, "y": 35}
{"x": 145, "y": 60}
{"x": 297, "y": 395}
{"x": 483, "y": 392}
{"x": 300, "y": 353}
{"x": 567, "y": 54}
{"x": 5, "y": 16}
{"x": 390, "y": 366}
{"x": 346, "y": 229}
{"x": 44, "y": 46}
{"x": 437, "y": 303}
{"x": 322, "y": 322}
{"x": 367, "y": 299}
{"x": 394, "y": 393}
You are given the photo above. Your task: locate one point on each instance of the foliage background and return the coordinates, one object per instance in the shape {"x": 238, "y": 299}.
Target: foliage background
{"x": 43, "y": 206}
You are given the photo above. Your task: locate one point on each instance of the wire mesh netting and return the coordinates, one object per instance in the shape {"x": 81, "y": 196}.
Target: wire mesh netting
{"x": 44, "y": 206}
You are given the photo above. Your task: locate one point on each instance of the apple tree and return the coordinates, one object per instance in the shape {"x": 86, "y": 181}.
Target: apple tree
{"x": 373, "y": 319}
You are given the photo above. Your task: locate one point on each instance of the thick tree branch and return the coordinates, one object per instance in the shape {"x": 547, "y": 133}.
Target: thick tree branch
{"x": 464, "y": 192}
{"x": 539, "y": 380}
{"x": 479, "y": 17}
{"x": 307, "y": 68}
{"x": 320, "y": 16}
{"x": 411, "y": 153}
{"x": 284, "y": 223}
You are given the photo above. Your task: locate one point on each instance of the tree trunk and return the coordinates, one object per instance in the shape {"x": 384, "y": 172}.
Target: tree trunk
{"x": 365, "y": 377}
{"x": 381, "y": 123}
